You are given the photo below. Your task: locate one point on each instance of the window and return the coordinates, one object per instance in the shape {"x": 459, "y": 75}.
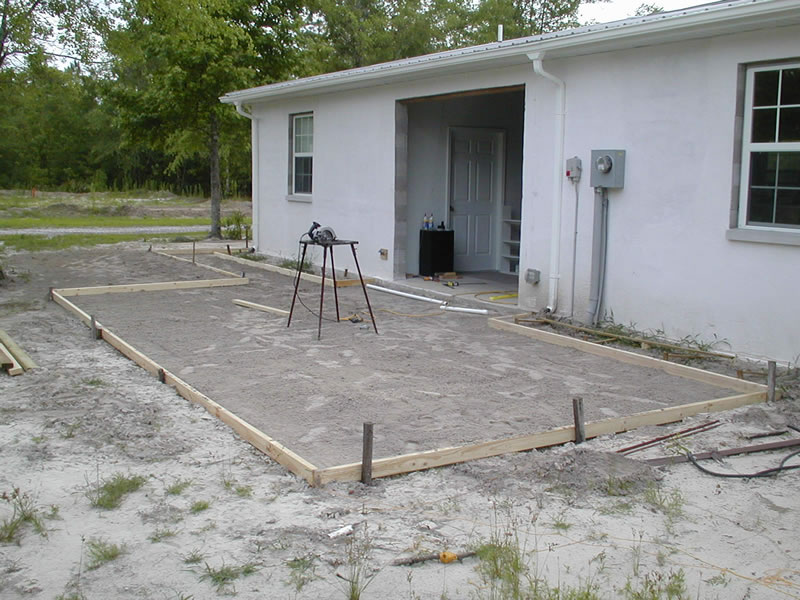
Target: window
{"x": 770, "y": 190}
{"x": 302, "y": 153}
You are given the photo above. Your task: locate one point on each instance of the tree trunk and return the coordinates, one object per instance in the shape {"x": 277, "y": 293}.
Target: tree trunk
{"x": 216, "y": 188}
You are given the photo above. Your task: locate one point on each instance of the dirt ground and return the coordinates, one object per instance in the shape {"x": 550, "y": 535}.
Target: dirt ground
{"x": 579, "y": 516}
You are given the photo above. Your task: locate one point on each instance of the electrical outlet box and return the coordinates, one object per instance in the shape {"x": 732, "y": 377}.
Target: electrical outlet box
{"x": 532, "y": 276}
{"x": 574, "y": 168}
{"x": 608, "y": 169}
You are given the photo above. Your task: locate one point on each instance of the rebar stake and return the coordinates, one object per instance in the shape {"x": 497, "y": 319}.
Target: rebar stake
{"x": 366, "y": 456}
{"x": 577, "y": 412}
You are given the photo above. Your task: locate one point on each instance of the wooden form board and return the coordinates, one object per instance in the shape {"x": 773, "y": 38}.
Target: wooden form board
{"x": 152, "y": 287}
{"x": 8, "y": 362}
{"x": 292, "y": 272}
{"x": 292, "y": 461}
{"x": 671, "y": 368}
{"x": 25, "y": 361}
{"x": 396, "y": 465}
{"x": 209, "y": 267}
{"x": 261, "y": 307}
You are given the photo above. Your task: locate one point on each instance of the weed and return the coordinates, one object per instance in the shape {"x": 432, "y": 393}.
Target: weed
{"x": 38, "y": 439}
{"x": 177, "y": 487}
{"x": 657, "y": 586}
{"x": 614, "y": 486}
{"x": 24, "y": 511}
{"x": 302, "y": 570}
{"x": 109, "y": 493}
{"x": 161, "y": 534}
{"x": 561, "y": 524}
{"x": 359, "y": 574}
{"x": 94, "y": 382}
{"x": 101, "y": 552}
{"x": 224, "y": 576}
{"x": 669, "y": 503}
{"x": 291, "y": 263}
{"x": 199, "y": 506}
{"x": 69, "y": 432}
{"x": 719, "y": 579}
{"x": 235, "y": 225}
{"x": 636, "y": 552}
{"x": 195, "y": 557}
{"x": 251, "y": 256}
{"x": 230, "y": 484}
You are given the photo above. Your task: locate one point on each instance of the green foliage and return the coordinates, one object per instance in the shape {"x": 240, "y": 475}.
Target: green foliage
{"x": 177, "y": 487}
{"x": 224, "y": 576}
{"x": 199, "y": 506}
{"x": 302, "y": 570}
{"x": 657, "y": 586}
{"x": 235, "y": 225}
{"x": 161, "y": 534}
{"x": 109, "y": 493}
{"x": 359, "y": 574}
{"x": 100, "y": 552}
{"x": 24, "y": 512}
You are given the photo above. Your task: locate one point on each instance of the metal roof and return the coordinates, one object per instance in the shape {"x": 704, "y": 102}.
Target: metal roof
{"x": 707, "y": 20}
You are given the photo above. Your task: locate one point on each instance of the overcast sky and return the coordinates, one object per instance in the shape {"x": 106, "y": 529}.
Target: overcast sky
{"x": 620, "y": 9}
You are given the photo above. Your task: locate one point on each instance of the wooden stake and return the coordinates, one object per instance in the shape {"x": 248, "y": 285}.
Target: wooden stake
{"x": 580, "y": 428}
{"x": 771, "y": 376}
{"x": 366, "y": 456}
{"x": 229, "y": 249}
{"x": 193, "y": 251}
{"x": 96, "y": 334}
{"x": 162, "y": 375}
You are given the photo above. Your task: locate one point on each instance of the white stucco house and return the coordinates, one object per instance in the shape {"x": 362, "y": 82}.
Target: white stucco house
{"x": 698, "y": 111}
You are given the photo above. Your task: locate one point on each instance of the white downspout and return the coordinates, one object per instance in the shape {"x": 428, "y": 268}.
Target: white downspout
{"x": 254, "y": 167}
{"x": 558, "y": 178}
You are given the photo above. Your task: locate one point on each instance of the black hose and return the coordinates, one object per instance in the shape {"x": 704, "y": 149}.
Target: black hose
{"x": 765, "y": 473}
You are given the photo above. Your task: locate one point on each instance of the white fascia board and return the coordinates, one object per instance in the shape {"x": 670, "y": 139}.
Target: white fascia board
{"x": 703, "y": 21}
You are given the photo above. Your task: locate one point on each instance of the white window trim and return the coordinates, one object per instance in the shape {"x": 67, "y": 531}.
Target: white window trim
{"x": 295, "y": 196}
{"x": 782, "y": 233}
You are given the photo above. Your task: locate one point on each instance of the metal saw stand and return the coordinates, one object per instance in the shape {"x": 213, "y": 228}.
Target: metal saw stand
{"x": 327, "y": 246}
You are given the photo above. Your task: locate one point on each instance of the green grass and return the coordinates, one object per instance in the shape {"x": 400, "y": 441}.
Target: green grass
{"x": 224, "y": 576}
{"x": 109, "y": 493}
{"x": 161, "y": 534}
{"x": 33, "y": 243}
{"x": 177, "y": 487}
{"x": 200, "y": 506}
{"x": 101, "y": 552}
{"x": 45, "y": 222}
{"x": 25, "y": 512}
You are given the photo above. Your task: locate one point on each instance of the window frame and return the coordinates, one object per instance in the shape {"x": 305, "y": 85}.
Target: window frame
{"x": 294, "y": 154}
{"x": 748, "y": 148}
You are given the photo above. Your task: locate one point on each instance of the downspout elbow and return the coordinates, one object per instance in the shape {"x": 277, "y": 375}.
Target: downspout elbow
{"x": 240, "y": 109}
{"x": 558, "y": 181}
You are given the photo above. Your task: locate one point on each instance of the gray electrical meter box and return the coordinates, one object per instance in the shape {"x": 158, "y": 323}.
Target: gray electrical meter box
{"x": 607, "y": 169}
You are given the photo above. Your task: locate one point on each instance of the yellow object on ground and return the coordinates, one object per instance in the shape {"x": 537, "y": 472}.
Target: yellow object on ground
{"x": 447, "y": 557}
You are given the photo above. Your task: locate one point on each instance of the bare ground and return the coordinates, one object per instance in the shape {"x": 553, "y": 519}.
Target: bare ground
{"x": 580, "y": 514}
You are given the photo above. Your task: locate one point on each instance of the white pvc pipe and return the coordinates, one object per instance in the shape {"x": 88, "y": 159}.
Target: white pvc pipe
{"x": 254, "y": 178}
{"x": 472, "y": 311}
{"x": 558, "y": 178}
{"x": 403, "y": 294}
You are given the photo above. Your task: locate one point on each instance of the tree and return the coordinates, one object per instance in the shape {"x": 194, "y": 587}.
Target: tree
{"x": 31, "y": 26}
{"x": 173, "y": 59}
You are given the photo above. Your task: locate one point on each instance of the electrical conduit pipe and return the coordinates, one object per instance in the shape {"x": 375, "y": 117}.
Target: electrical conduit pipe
{"x": 254, "y": 166}
{"x": 558, "y": 178}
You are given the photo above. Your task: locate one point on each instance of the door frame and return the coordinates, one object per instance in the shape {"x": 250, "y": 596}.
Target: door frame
{"x": 499, "y": 183}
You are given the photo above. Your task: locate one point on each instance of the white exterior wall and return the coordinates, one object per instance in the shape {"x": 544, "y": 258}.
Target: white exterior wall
{"x": 354, "y": 167}
{"x": 670, "y": 267}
